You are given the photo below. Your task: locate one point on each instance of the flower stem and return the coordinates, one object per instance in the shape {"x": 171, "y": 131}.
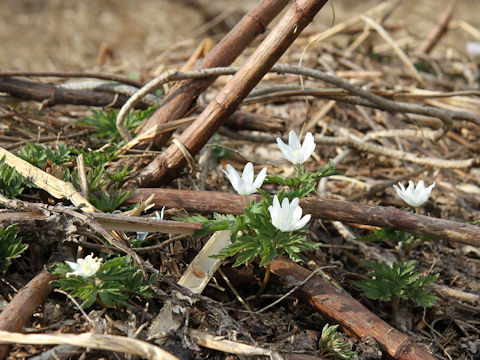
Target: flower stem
{"x": 245, "y": 197}
{"x": 395, "y": 306}
{"x": 267, "y": 271}
{"x": 264, "y": 282}
{"x": 416, "y": 210}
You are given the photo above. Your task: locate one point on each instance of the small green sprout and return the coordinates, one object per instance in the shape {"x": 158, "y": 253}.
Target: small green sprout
{"x": 396, "y": 282}
{"x": 39, "y": 154}
{"x": 11, "y": 182}
{"x": 109, "y": 284}
{"x": 331, "y": 346}
{"x": 109, "y": 203}
{"x": 105, "y": 122}
{"x": 11, "y": 246}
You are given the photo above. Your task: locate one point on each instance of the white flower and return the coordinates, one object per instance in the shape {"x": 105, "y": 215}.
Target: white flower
{"x": 288, "y": 216}
{"x": 294, "y": 152}
{"x": 141, "y": 236}
{"x": 414, "y": 196}
{"x": 84, "y": 267}
{"x": 245, "y": 185}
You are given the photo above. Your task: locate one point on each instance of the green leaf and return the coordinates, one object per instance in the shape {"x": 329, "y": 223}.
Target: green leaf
{"x": 105, "y": 122}
{"x": 11, "y": 246}
{"x": 11, "y": 182}
{"x": 39, "y": 154}
{"x": 108, "y": 203}
{"x": 398, "y": 280}
{"x": 331, "y": 346}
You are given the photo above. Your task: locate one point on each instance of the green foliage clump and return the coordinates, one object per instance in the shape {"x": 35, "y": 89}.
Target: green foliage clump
{"x": 99, "y": 180}
{"x": 105, "y": 122}
{"x": 108, "y": 203}
{"x": 331, "y": 346}
{"x": 39, "y": 154}
{"x": 398, "y": 281}
{"x": 112, "y": 285}
{"x": 11, "y": 182}
{"x": 304, "y": 181}
{"x": 11, "y": 246}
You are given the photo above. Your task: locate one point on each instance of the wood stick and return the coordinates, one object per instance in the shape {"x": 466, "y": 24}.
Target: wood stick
{"x": 440, "y": 28}
{"x": 33, "y": 220}
{"x": 342, "y": 309}
{"x": 167, "y": 165}
{"x": 51, "y": 95}
{"x": 24, "y": 304}
{"x": 180, "y": 99}
{"x": 334, "y": 210}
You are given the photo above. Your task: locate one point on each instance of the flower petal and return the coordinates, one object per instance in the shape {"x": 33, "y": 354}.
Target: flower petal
{"x": 303, "y": 221}
{"x": 260, "y": 178}
{"x": 247, "y": 175}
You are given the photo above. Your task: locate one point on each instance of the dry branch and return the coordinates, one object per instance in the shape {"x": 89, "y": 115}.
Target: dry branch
{"x": 352, "y": 316}
{"x": 438, "y": 31}
{"x": 181, "y": 97}
{"x": 24, "y": 304}
{"x": 334, "y": 210}
{"x": 63, "y": 74}
{"x": 171, "y": 161}
{"x": 51, "y": 95}
{"x": 93, "y": 341}
{"x": 32, "y": 221}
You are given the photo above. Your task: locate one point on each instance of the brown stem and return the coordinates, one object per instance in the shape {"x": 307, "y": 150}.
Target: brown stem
{"x": 340, "y": 308}
{"x": 51, "y": 95}
{"x": 166, "y": 166}
{"x": 335, "y": 210}
{"x": 24, "y": 304}
{"x": 180, "y": 99}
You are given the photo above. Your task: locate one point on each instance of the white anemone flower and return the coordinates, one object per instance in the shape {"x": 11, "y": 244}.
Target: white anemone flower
{"x": 84, "y": 267}
{"x": 288, "y": 216}
{"x": 245, "y": 185}
{"x": 295, "y": 152}
{"x": 414, "y": 196}
{"x": 141, "y": 236}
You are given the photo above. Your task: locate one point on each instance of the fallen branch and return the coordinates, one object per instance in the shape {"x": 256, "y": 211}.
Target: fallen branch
{"x": 93, "y": 341}
{"x": 352, "y": 316}
{"x": 32, "y": 221}
{"x": 51, "y": 95}
{"x": 167, "y": 165}
{"x": 23, "y": 305}
{"x": 72, "y": 74}
{"x": 334, "y": 210}
{"x": 182, "y": 96}
{"x": 438, "y": 31}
